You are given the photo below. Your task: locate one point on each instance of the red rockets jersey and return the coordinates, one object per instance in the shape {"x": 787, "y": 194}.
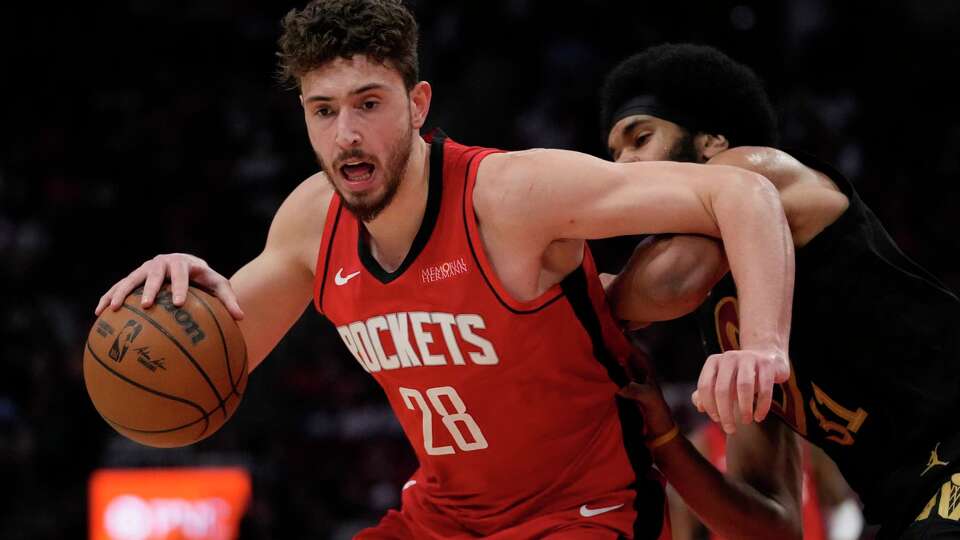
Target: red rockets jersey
{"x": 509, "y": 405}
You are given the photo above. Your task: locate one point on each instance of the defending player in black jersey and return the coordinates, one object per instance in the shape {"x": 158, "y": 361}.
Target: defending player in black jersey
{"x": 874, "y": 349}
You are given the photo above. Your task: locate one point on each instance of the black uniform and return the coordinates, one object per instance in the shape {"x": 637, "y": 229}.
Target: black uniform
{"x": 875, "y": 354}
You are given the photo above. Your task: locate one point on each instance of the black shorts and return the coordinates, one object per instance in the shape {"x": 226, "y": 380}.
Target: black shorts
{"x": 940, "y": 518}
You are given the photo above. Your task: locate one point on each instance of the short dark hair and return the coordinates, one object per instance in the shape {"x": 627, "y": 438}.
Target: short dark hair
{"x": 708, "y": 89}
{"x": 383, "y": 30}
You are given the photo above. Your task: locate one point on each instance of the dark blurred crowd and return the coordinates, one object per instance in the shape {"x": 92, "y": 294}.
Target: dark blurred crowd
{"x": 133, "y": 128}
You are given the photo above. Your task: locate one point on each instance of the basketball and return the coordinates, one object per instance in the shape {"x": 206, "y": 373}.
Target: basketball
{"x": 166, "y": 376}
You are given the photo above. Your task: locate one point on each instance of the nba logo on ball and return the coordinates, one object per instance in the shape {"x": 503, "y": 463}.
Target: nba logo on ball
{"x": 170, "y": 375}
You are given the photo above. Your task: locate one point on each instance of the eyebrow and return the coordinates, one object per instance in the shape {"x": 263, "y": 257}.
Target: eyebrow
{"x": 627, "y": 131}
{"x": 629, "y": 128}
{"x": 355, "y": 91}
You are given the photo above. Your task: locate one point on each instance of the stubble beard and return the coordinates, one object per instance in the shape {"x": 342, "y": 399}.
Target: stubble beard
{"x": 684, "y": 150}
{"x": 366, "y": 206}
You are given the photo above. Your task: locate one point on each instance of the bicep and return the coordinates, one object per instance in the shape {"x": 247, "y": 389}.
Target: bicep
{"x": 555, "y": 194}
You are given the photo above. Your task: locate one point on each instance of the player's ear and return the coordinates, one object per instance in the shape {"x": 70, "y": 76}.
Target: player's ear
{"x": 420, "y": 96}
{"x": 709, "y": 145}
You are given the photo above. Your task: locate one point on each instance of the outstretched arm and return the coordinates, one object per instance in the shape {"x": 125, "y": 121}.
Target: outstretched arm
{"x": 668, "y": 276}
{"x": 554, "y": 195}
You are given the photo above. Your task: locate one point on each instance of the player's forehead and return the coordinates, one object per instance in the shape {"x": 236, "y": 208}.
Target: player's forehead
{"x": 341, "y": 77}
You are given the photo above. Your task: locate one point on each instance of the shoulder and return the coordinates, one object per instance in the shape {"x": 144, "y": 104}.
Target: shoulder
{"x": 506, "y": 175}
{"x": 298, "y": 225}
{"x": 811, "y": 199}
{"x": 309, "y": 199}
{"x": 510, "y": 188}
{"x": 306, "y": 206}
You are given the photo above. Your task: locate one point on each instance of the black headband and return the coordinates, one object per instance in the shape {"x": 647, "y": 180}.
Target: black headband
{"x": 651, "y": 105}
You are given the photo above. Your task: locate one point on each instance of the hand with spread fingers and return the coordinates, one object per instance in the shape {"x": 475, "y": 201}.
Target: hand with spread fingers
{"x": 730, "y": 381}
{"x": 181, "y": 269}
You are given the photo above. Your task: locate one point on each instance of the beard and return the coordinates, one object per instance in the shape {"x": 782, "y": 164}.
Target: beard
{"x": 366, "y": 206}
{"x": 684, "y": 150}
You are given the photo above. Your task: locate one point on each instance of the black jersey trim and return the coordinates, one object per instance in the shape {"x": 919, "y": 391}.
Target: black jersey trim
{"x": 574, "y": 287}
{"x": 476, "y": 259}
{"x": 430, "y": 215}
{"x": 326, "y": 261}
{"x": 649, "y": 502}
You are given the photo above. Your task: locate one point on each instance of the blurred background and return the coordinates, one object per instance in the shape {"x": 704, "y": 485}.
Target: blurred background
{"x": 131, "y": 128}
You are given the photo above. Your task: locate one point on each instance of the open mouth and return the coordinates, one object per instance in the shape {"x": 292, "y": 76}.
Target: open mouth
{"x": 357, "y": 172}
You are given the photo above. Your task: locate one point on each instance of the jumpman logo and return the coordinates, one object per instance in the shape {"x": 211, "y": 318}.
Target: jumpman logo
{"x": 934, "y": 460}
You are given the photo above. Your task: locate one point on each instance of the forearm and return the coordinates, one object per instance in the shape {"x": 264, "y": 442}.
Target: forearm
{"x": 667, "y": 277}
{"x": 728, "y": 506}
{"x": 759, "y": 250}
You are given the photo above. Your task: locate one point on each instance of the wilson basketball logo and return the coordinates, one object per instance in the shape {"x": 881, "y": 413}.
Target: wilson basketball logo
{"x": 184, "y": 319}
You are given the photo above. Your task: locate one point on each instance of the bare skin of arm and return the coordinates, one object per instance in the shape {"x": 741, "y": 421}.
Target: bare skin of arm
{"x": 273, "y": 289}
{"x": 543, "y": 194}
{"x": 763, "y": 461}
{"x": 749, "y": 501}
{"x": 759, "y": 497}
{"x": 276, "y": 286}
{"x": 684, "y": 524}
{"x": 669, "y": 276}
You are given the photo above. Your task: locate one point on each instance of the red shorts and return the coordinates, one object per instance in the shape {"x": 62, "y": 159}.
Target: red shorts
{"x": 412, "y": 522}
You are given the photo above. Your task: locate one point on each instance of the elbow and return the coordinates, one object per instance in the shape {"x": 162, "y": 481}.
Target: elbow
{"x": 748, "y": 198}
{"x": 746, "y": 185}
{"x": 683, "y": 292}
{"x": 755, "y": 186}
{"x": 667, "y": 277}
{"x": 685, "y": 269}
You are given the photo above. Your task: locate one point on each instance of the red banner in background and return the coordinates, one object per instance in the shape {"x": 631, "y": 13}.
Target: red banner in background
{"x": 168, "y": 504}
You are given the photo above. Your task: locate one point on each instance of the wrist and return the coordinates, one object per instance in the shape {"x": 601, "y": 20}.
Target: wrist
{"x": 663, "y": 439}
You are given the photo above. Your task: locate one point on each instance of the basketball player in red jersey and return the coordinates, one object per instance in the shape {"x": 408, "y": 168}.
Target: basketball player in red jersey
{"x": 441, "y": 265}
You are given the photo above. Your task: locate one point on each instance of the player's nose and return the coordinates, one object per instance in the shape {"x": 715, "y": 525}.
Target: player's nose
{"x": 347, "y": 133}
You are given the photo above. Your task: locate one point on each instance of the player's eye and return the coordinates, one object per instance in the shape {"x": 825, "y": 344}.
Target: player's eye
{"x": 323, "y": 112}
{"x": 369, "y": 105}
{"x": 641, "y": 139}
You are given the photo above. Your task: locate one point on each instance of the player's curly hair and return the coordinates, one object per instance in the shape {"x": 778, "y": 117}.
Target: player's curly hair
{"x": 713, "y": 93}
{"x": 383, "y": 30}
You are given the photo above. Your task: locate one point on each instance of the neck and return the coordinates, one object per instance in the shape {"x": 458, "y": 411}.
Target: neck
{"x": 393, "y": 230}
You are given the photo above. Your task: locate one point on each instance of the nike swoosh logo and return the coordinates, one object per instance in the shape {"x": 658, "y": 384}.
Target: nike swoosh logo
{"x": 342, "y": 280}
{"x": 590, "y": 512}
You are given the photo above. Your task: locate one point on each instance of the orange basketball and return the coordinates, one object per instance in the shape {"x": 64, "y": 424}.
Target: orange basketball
{"x": 166, "y": 376}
